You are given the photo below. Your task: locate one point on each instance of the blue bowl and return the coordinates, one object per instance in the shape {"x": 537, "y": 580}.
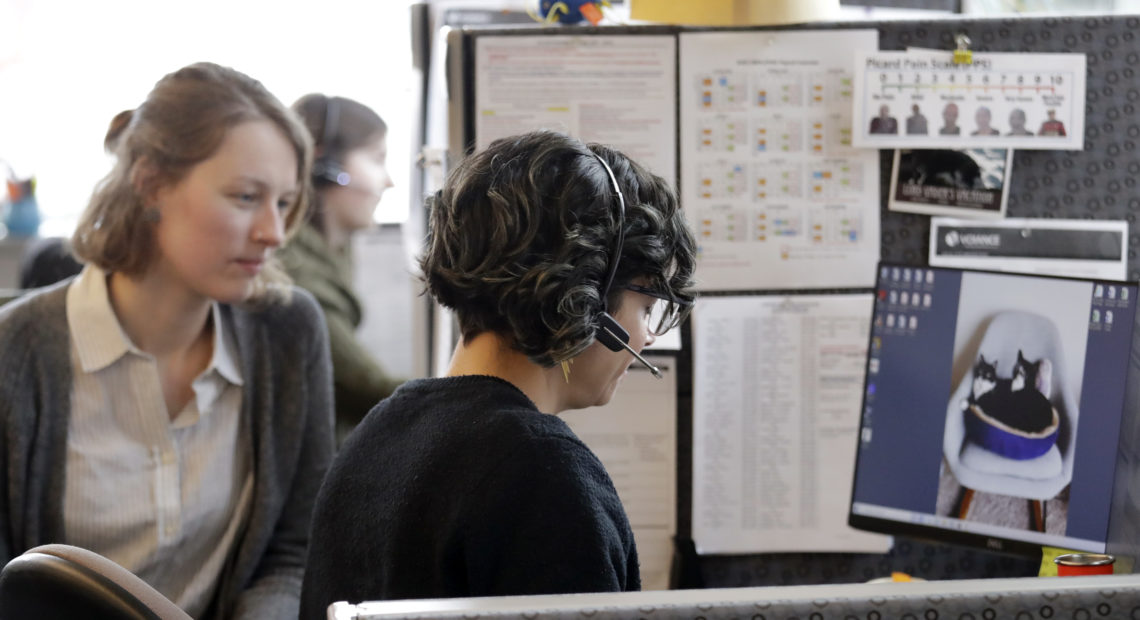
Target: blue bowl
{"x": 1006, "y": 441}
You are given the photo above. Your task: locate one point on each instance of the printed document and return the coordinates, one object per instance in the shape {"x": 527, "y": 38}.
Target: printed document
{"x": 613, "y": 89}
{"x": 635, "y": 436}
{"x": 777, "y": 195}
{"x": 777, "y": 389}
{"x": 923, "y": 99}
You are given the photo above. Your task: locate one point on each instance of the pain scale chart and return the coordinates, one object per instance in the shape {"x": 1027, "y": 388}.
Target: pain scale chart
{"x": 922, "y": 99}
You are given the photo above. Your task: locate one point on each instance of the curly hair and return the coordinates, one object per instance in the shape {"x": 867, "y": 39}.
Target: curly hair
{"x": 521, "y": 238}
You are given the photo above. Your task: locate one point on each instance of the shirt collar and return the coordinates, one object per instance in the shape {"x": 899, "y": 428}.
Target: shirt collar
{"x": 225, "y": 359}
{"x": 100, "y": 339}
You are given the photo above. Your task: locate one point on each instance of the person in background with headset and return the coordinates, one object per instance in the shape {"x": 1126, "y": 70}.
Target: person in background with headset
{"x": 553, "y": 255}
{"x": 170, "y": 407}
{"x": 349, "y": 177}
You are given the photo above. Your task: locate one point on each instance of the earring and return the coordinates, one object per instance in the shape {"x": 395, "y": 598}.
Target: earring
{"x": 566, "y": 369}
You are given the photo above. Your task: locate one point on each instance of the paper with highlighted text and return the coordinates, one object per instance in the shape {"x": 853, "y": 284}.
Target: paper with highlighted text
{"x": 770, "y": 181}
{"x": 612, "y": 89}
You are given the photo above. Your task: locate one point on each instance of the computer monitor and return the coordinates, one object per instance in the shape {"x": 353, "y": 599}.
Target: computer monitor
{"x": 992, "y": 408}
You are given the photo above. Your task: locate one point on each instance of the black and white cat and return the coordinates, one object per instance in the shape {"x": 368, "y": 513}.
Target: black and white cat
{"x": 1021, "y": 401}
{"x": 1037, "y": 375}
{"x": 985, "y": 380}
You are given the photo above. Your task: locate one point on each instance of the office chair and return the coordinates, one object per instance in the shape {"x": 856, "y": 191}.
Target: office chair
{"x": 61, "y": 581}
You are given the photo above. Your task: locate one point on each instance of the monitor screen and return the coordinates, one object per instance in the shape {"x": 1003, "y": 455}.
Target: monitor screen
{"x": 992, "y": 408}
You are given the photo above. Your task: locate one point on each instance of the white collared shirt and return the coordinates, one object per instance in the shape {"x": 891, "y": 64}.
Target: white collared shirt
{"x": 164, "y": 496}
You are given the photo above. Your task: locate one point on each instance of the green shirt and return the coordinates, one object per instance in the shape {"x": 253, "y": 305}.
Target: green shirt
{"x": 359, "y": 382}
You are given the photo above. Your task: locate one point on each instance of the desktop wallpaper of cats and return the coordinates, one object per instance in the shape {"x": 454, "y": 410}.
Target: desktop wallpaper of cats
{"x": 1012, "y": 416}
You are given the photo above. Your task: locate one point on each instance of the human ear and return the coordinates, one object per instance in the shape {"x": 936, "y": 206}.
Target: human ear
{"x": 145, "y": 180}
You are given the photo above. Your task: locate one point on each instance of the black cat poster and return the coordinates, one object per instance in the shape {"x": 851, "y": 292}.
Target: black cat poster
{"x": 968, "y": 183}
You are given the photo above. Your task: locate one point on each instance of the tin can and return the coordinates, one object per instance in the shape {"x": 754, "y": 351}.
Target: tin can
{"x": 1079, "y": 564}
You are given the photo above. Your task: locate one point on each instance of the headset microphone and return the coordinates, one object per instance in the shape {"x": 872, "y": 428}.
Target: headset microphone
{"x": 653, "y": 369}
{"x": 610, "y": 333}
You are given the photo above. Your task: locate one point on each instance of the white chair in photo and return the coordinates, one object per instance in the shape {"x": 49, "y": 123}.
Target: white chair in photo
{"x": 1037, "y": 479}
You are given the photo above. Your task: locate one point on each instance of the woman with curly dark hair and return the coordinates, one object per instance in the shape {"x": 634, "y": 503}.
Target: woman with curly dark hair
{"x": 553, "y": 255}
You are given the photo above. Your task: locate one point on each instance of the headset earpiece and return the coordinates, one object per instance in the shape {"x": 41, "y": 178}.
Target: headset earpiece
{"x": 611, "y": 333}
{"x": 326, "y": 170}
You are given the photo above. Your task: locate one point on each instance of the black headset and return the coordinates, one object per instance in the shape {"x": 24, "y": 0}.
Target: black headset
{"x": 326, "y": 170}
{"x": 610, "y": 333}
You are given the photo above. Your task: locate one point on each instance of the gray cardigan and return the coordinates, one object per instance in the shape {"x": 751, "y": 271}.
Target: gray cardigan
{"x": 287, "y": 404}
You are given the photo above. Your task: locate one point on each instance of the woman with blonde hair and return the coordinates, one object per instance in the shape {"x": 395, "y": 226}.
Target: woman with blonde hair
{"x": 170, "y": 407}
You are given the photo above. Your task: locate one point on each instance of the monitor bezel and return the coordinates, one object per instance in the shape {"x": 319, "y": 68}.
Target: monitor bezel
{"x": 947, "y": 535}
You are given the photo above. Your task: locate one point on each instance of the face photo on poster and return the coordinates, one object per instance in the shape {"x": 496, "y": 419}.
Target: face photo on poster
{"x": 966, "y": 183}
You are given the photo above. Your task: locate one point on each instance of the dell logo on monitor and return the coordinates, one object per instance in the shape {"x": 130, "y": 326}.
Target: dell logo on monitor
{"x": 993, "y": 543}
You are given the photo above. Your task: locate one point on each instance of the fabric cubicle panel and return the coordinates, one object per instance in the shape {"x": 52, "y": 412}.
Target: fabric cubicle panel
{"x": 1096, "y": 183}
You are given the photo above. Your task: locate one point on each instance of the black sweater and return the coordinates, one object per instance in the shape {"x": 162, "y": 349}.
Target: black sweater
{"x": 461, "y": 487}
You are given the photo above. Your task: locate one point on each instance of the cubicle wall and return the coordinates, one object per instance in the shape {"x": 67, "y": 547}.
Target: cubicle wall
{"x": 1116, "y": 596}
{"x": 1098, "y": 182}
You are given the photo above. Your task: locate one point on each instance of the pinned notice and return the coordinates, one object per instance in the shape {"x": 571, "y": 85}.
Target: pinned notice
{"x": 923, "y": 99}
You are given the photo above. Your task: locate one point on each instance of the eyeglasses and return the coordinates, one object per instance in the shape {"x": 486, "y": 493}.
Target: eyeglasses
{"x": 658, "y": 294}
{"x": 658, "y": 317}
